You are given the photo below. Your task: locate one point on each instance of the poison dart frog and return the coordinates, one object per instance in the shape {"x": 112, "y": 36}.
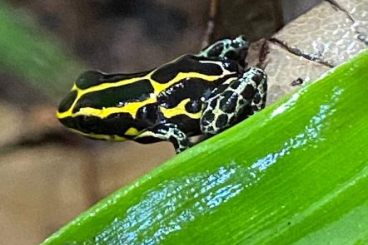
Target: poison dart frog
{"x": 202, "y": 93}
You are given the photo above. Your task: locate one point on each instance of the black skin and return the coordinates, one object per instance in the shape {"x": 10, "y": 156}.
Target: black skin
{"x": 224, "y": 102}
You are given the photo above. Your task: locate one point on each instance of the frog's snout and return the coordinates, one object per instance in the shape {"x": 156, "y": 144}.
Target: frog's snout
{"x": 64, "y": 111}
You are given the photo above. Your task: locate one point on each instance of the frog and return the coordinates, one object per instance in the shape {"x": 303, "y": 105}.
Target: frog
{"x": 195, "y": 94}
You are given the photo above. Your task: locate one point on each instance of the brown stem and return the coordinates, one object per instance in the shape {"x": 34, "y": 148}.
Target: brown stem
{"x": 210, "y": 23}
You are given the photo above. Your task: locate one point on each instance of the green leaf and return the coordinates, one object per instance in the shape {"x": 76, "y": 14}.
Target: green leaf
{"x": 32, "y": 54}
{"x": 295, "y": 173}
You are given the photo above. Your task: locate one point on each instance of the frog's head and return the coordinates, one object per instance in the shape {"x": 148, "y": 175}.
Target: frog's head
{"x": 98, "y": 105}
{"x": 77, "y": 111}
{"x": 228, "y": 49}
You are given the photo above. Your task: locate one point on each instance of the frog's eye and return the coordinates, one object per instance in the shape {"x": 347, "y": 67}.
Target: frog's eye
{"x": 193, "y": 106}
{"x": 85, "y": 124}
{"x": 89, "y": 79}
{"x": 89, "y": 124}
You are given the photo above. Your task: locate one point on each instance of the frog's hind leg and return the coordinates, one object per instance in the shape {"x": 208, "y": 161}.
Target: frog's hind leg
{"x": 165, "y": 132}
{"x": 240, "y": 99}
{"x": 227, "y": 49}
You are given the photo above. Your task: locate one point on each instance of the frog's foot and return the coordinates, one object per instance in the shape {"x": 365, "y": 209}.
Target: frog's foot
{"x": 227, "y": 49}
{"x": 165, "y": 132}
{"x": 239, "y": 100}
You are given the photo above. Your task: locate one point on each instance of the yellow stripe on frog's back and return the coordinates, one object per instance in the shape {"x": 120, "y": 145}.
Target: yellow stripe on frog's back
{"x": 180, "y": 110}
{"x": 130, "y": 108}
{"x": 159, "y": 87}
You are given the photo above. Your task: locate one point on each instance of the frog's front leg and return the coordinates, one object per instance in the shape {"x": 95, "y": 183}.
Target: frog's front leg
{"x": 234, "y": 101}
{"x": 165, "y": 132}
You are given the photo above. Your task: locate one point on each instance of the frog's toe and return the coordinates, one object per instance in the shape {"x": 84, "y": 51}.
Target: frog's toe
{"x": 165, "y": 132}
{"x": 258, "y": 78}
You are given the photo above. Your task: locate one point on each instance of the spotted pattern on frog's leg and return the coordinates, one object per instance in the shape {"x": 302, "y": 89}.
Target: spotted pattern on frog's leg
{"x": 259, "y": 98}
{"x": 247, "y": 94}
{"x": 227, "y": 49}
{"x": 165, "y": 132}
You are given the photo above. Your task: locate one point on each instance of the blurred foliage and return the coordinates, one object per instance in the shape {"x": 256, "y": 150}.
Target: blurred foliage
{"x": 295, "y": 173}
{"x": 33, "y": 54}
